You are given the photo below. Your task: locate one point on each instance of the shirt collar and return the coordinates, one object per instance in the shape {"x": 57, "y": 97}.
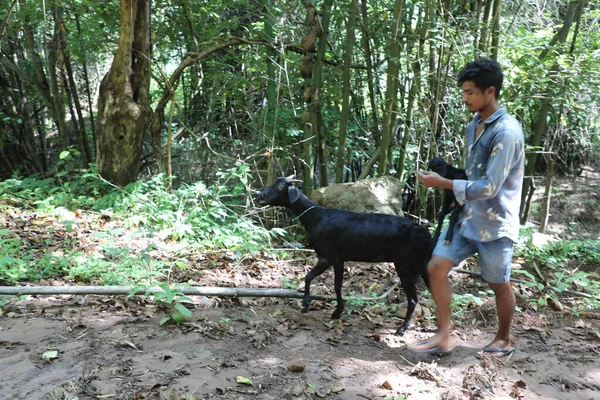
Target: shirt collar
{"x": 499, "y": 112}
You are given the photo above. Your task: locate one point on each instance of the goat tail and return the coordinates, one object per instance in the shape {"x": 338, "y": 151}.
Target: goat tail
{"x": 422, "y": 243}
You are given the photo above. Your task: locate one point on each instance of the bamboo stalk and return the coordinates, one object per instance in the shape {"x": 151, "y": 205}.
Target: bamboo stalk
{"x": 189, "y": 291}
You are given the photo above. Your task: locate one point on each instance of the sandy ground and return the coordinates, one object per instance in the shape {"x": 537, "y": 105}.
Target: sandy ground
{"x": 114, "y": 348}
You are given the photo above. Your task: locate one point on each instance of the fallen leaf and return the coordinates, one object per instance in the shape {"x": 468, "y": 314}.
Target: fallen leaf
{"x": 127, "y": 343}
{"x": 579, "y": 323}
{"x": 521, "y": 384}
{"x": 387, "y": 385}
{"x": 50, "y": 355}
{"x": 243, "y": 380}
{"x": 323, "y": 392}
{"x": 337, "y": 389}
{"x": 298, "y": 390}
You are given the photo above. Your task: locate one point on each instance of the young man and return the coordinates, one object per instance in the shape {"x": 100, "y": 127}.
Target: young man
{"x": 489, "y": 224}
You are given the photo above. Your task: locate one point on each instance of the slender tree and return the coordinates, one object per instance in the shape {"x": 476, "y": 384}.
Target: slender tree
{"x": 341, "y": 158}
{"x": 390, "y": 103}
{"x": 539, "y": 126}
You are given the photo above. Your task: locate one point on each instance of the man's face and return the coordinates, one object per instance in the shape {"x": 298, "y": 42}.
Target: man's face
{"x": 474, "y": 99}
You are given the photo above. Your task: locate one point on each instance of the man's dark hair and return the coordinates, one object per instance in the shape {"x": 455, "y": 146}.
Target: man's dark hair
{"x": 484, "y": 73}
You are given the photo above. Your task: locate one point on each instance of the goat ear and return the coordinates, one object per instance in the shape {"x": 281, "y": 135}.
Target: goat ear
{"x": 293, "y": 194}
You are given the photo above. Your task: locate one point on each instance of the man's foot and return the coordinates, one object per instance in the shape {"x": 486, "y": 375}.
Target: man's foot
{"x": 497, "y": 349}
{"x": 435, "y": 344}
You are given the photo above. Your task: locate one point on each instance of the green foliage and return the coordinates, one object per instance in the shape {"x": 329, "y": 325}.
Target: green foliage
{"x": 568, "y": 267}
{"x": 462, "y": 303}
{"x": 195, "y": 217}
{"x": 196, "y": 213}
{"x": 172, "y": 297}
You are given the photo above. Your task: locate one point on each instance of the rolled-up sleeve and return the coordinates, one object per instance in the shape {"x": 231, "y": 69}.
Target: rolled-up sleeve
{"x": 459, "y": 187}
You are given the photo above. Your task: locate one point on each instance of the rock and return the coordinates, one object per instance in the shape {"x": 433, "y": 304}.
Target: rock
{"x": 541, "y": 239}
{"x": 297, "y": 365}
{"x": 387, "y": 385}
{"x": 378, "y": 195}
{"x": 555, "y": 304}
{"x": 298, "y": 390}
{"x": 402, "y": 308}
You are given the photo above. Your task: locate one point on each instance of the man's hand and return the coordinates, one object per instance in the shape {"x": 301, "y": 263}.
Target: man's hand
{"x": 433, "y": 179}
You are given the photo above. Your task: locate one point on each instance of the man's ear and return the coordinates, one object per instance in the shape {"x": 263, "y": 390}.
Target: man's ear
{"x": 293, "y": 194}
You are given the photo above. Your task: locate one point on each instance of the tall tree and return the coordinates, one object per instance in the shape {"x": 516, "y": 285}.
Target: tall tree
{"x": 391, "y": 93}
{"x": 341, "y": 159}
{"x": 321, "y": 23}
{"x": 124, "y": 99}
{"x": 539, "y": 126}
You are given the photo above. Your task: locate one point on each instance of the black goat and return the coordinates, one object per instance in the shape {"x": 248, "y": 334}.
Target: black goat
{"x": 446, "y": 170}
{"x": 339, "y": 235}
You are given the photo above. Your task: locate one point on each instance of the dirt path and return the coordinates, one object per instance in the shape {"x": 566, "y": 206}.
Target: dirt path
{"x": 115, "y": 349}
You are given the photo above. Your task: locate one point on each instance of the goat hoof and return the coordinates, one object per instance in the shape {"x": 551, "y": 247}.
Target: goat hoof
{"x": 336, "y": 314}
{"x": 304, "y": 310}
{"x": 400, "y": 331}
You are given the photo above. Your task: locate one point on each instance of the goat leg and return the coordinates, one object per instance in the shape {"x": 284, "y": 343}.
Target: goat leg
{"x": 338, "y": 269}
{"x": 440, "y": 222}
{"x": 317, "y": 270}
{"x": 453, "y": 221}
{"x": 408, "y": 283}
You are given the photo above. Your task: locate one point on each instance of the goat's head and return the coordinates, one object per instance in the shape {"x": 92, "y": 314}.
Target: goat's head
{"x": 438, "y": 165}
{"x": 281, "y": 193}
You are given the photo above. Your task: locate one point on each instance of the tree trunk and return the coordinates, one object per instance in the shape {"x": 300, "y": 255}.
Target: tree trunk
{"x": 57, "y": 94}
{"x": 366, "y": 35}
{"x": 84, "y": 145}
{"x": 539, "y": 127}
{"x": 88, "y": 91}
{"x": 391, "y": 93}
{"x": 341, "y": 159}
{"x": 422, "y": 22}
{"x": 485, "y": 26}
{"x": 547, "y": 194}
{"x": 309, "y": 116}
{"x": 41, "y": 82}
{"x": 270, "y": 124}
{"x": 496, "y": 28}
{"x": 322, "y": 25}
{"x": 124, "y": 100}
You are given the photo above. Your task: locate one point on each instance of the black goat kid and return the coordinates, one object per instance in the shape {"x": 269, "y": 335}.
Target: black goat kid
{"x": 339, "y": 235}
{"x": 447, "y": 171}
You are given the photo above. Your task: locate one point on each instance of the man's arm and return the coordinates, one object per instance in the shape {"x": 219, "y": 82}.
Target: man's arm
{"x": 433, "y": 179}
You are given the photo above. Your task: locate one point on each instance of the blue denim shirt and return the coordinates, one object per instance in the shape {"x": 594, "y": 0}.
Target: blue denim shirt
{"x": 494, "y": 167}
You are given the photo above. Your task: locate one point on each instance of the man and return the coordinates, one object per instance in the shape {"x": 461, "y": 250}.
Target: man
{"x": 489, "y": 224}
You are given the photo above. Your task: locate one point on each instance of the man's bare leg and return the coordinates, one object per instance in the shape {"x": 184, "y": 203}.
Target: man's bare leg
{"x": 438, "y": 269}
{"x": 505, "y": 305}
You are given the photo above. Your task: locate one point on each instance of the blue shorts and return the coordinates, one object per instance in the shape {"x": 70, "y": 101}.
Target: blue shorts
{"x": 495, "y": 257}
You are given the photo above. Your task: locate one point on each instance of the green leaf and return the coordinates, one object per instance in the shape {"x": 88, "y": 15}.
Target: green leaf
{"x": 243, "y": 380}
{"x": 64, "y": 154}
{"x": 99, "y": 235}
{"x": 50, "y": 355}
{"x": 183, "y": 310}
{"x": 164, "y": 320}
{"x": 177, "y": 317}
